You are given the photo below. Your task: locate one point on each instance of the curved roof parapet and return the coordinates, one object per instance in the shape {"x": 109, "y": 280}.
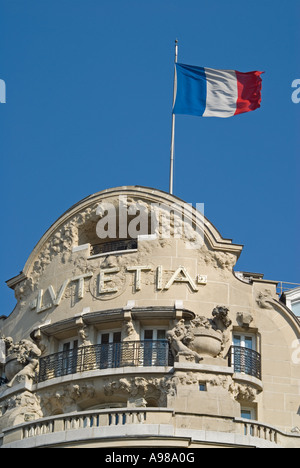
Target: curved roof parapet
{"x": 86, "y": 210}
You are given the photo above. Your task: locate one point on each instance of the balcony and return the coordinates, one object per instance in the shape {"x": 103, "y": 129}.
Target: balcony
{"x": 166, "y": 425}
{"x": 105, "y": 356}
{"x": 116, "y": 246}
{"x": 245, "y": 361}
{"x": 133, "y": 354}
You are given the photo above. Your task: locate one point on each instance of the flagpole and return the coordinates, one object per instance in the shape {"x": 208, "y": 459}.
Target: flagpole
{"x": 173, "y": 125}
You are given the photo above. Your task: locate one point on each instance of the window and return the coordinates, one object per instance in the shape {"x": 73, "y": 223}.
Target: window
{"x": 296, "y": 308}
{"x": 292, "y": 299}
{"x": 244, "y": 341}
{"x": 109, "y": 353}
{"x": 68, "y": 357}
{"x": 155, "y": 347}
{"x": 248, "y": 413}
{"x": 154, "y": 334}
{"x": 202, "y": 387}
{"x": 110, "y": 337}
{"x": 244, "y": 357}
{"x": 69, "y": 344}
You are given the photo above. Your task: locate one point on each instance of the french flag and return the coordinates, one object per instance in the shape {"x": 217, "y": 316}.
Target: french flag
{"x": 208, "y": 92}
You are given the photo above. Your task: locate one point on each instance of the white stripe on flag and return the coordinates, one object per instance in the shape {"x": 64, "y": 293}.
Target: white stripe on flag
{"x": 222, "y": 93}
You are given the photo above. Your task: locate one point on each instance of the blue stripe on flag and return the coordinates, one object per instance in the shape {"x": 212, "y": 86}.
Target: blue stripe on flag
{"x": 191, "y": 90}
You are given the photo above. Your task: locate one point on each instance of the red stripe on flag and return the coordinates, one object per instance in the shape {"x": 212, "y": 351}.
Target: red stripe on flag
{"x": 249, "y": 91}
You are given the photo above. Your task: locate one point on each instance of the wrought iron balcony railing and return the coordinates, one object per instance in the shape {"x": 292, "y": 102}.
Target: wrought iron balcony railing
{"x": 106, "y": 356}
{"x": 116, "y": 246}
{"x": 245, "y": 361}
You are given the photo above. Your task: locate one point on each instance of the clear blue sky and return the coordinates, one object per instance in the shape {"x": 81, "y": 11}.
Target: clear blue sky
{"x": 89, "y": 97}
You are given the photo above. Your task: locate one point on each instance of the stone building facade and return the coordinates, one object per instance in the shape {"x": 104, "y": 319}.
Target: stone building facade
{"x": 132, "y": 329}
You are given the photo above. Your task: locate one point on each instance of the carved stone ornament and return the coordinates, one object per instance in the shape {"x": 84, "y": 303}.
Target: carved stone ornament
{"x": 180, "y": 342}
{"x": 65, "y": 399}
{"x": 22, "y": 361}
{"x": 244, "y": 319}
{"x": 138, "y": 389}
{"x": 202, "y": 337}
{"x": 243, "y": 392}
{"x": 128, "y": 328}
{"x": 264, "y": 298}
{"x": 19, "y": 408}
{"x": 295, "y": 430}
{"x": 61, "y": 241}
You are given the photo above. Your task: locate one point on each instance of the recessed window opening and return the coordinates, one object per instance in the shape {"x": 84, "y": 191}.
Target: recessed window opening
{"x": 202, "y": 387}
{"x": 109, "y": 354}
{"x": 155, "y": 347}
